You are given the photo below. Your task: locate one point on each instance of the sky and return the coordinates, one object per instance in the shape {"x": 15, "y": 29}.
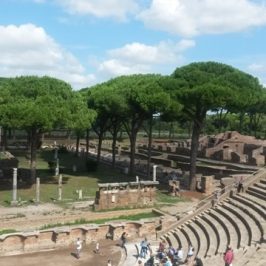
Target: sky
{"x": 86, "y": 42}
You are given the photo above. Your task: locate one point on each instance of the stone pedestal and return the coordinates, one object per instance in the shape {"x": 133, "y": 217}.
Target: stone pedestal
{"x": 60, "y": 187}
{"x": 14, "y": 201}
{"x": 37, "y": 190}
{"x": 207, "y": 184}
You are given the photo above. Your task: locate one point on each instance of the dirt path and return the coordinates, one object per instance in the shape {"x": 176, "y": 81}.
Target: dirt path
{"x": 26, "y": 218}
{"x": 33, "y": 217}
{"x": 108, "y": 250}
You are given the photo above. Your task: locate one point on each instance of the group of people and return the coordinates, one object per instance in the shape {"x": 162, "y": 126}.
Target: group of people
{"x": 167, "y": 255}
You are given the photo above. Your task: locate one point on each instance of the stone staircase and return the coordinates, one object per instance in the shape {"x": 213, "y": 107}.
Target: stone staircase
{"x": 238, "y": 220}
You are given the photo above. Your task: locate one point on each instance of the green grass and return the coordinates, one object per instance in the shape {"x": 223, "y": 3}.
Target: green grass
{"x": 163, "y": 197}
{"x": 7, "y": 231}
{"x": 81, "y": 221}
{"x": 81, "y": 179}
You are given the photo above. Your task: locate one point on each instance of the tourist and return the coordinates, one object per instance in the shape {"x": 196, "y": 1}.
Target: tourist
{"x": 198, "y": 262}
{"x": 180, "y": 254}
{"x": 78, "y": 247}
{"x": 123, "y": 239}
{"x": 240, "y": 187}
{"x": 140, "y": 263}
{"x": 228, "y": 256}
{"x": 109, "y": 263}
{"x": 97, "y": 248}
{"x": 162, "y": 246}
{"x": 190, "y": 251}
{"x": 144, "y": 245}
{"x": 167, "y": 262}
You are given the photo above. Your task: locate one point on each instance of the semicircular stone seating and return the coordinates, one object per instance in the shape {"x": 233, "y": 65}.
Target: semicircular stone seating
{"x": 238, "y": 221}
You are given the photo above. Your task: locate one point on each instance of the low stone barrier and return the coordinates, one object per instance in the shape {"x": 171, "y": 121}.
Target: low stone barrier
{"x": 63, "y": 237}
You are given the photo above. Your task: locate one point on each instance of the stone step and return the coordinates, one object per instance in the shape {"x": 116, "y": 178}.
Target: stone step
{"x": 241, "y": 257}
{"x": 251, "y": 217}
{"x": 207, "y": 233}
{"x": 213, "y": 234}
{"x": 260, "y": 185}
{"x": 231, "y": 232}
{"x": 223, "y": 232}
{"x": 250, "y": 203}
{"x": 203, "y": 236}
{"x": 190, "y": 236}
{"x": 131, "y": 254}
{"x": 182, "y": 240}
{"x": 260, "y": 193}
{"x": 244, "y": 234}
{"x": 243, "y": 221}
{"x": 235, "y": 230}
{"x": 198, "y": 241}
{"x": 263, "y": 181}
{"x": 171, "y": 239}
{"x": 257, "y": 201}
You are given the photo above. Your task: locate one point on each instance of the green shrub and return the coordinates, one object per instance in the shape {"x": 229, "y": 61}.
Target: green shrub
{"x": 62, "y": 149}
{"x": 52, "y": 165}
{"x": 91, "y": 165}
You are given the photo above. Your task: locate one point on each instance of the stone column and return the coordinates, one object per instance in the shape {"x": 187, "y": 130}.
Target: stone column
{"x": 15, "y": 181}
{"x": 37, "y": 190}
{"x": 80, "y": 194}
{"x": 60, "y": 187}
{"x": 154, "y": 172}
{"x": 57, "y": 167}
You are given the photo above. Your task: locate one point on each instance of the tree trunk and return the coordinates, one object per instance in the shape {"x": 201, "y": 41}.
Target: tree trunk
{"x": 149, "y": 148}
{"x": 194, "y": 152}
{"x": 33, "y": 153}
{"x": 87, "y": 142}
{"x": 159, "y": 133}
{"x": 114, "y": 148}
{"x": 100, "y": 140}
{"x": 4, "y": 139}
{"x": 241, "y": 121}
{"x": 133, "y": 139}
{"x": 77, "y": 144}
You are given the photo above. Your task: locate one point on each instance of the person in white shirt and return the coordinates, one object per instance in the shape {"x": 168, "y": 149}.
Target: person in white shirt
{"x": 180, "y": 254}
{"x": 190, "y": 251}
{"x": 78, "y": 247}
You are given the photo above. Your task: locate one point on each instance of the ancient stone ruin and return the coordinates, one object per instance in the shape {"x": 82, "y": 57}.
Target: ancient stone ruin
{"x": 229, "y": 146}
{"x": 125, "y": 194}
{"x": 7, "y": 163}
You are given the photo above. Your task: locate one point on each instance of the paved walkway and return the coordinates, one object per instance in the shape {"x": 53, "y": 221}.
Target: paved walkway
{"x": 108, "y": 250}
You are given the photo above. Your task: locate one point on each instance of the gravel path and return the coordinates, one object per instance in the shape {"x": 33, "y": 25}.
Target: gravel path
{"x": 33, "y": 217}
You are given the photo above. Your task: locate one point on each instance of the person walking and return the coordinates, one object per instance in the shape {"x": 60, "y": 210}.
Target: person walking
{"x": 228, "y": 256}
{"x": 97, "y": 247}
{"x": 144, "y": 245}
{"x": 240, "y": 187}
{"x": 78, "y": 247}
{"x": 123, "y": 239}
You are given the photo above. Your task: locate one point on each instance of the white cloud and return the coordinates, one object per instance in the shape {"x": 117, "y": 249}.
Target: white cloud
{"x": 141, "y": 58}
{"x": 118, "y": 9}
{"x": 258, "y": 70}
{"x": 28, "y": 50}
{"x": 194, "y": 17}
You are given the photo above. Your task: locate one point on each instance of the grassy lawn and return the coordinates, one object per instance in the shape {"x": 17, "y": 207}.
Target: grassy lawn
{"x": 72, "y": 181}
{"x": 135, "y": 217}
{"x": 81, "y": 179}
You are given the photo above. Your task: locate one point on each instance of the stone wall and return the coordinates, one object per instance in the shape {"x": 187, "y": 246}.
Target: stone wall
{"x": 58, "y": 238}
{"x": 125, "y": 194}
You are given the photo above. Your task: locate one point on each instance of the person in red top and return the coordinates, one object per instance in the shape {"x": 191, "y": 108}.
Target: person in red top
{"x": 228, "y": 256}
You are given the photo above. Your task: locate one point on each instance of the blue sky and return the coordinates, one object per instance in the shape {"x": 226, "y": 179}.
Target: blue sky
{"x": 85, "y": 42}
